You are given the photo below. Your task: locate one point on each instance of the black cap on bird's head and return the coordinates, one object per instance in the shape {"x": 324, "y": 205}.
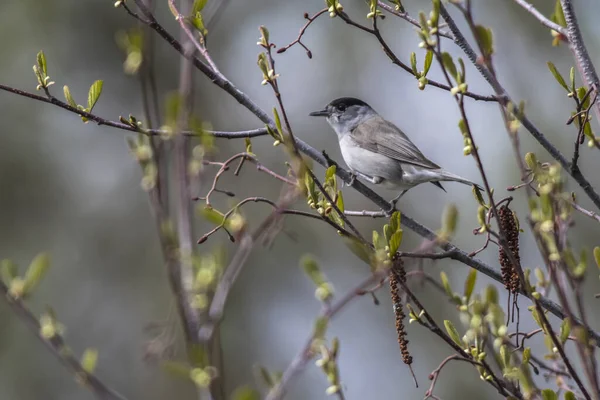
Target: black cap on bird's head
{"x": 339, "y": 106}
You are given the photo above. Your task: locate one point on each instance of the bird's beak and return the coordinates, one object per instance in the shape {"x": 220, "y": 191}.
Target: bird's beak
{"x": 322, "y": 113}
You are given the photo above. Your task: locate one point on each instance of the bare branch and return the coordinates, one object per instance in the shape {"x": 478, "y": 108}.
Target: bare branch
{"x": 542, "y": 18}
{"x": 59, "y": 349}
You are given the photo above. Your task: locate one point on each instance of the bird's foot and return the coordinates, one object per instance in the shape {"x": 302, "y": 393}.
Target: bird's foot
{"x": 352, "y": 179}
{"x": 328, "y": 159}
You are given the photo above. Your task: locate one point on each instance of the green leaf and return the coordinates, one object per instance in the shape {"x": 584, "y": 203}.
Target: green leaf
{"x": 449, "y": 64}
{"x": 470, "y": 284}
{"x": 558, "y": 16}
{"x": 89, "y": 359}
{"x": 395, "y": 242}
{"x": 198, "y": 6}
{"x": 68, "y": 97}
{"x": 413, "y": 63}
{"x": 245, "y": 393}
{"x": 330, "y": 172}
{"x": 478, "y": 196}
{"x": 526, "y": 355}
{"x": 36, "y": 271}
{"x": 549, "y": 394}
{"x": 565, "y": 330}
{"x": 570, "y": 396}
{"x": 312, "y": 270}
{"x": 597, "y": 255}
{"x": 320, "y": 327}
{"x": 277, "y": 122}
{"x": 41, "y": 61}
{"x": 428, "y": 61}
{"x": 8, "y": 271}
{"x": 558, "y": 76}
{"x": 198, "y": 22}
{"x": 505, "y": 357}
{"x": 450, "y": 220}
{"x": 446, "y": 284}
{"x": 176, "y": 368}
{"x": 340, "y": 201}
{"x": 452, "y": 332}
{"x": 94, "y": 94}
{"x": 395, "y": 220}
{"x": 485, "y": 39}
{"x": 358, "y": 248}
{"x": 212, "y": 215}
{"x": 572, "y": 76}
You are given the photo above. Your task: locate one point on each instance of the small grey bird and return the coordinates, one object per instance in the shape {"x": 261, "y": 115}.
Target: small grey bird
{"x": 378, "y": 151}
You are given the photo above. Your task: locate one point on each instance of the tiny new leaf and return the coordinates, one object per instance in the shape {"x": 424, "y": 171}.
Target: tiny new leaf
{"x": 41, "y": 61}
{"x": 198, "y": 6}
{"x": 428, "y": 61}
{"x": 68, "y": 97}
{"x": 558, "y": 76}
{"x": 470, "y": 284}
{"x": 94, "y": 94}
{"x": 449, "y": 64}
{"x": 452, "y": 332}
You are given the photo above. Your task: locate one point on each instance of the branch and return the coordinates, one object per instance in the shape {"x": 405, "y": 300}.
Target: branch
{"x": 501, "y": 93}
{"x": 578, "y": 47}
{"x": 542, "y": 18}
{"x": 328, "y": 312}
{"x": 408, "y": 18}
{"x": 126, "y": 127}
{"x": 57, "y": 346}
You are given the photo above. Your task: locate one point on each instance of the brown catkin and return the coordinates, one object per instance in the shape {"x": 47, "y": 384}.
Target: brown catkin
{"x": 398, "y": 274}
{"x": 510, "y": 277}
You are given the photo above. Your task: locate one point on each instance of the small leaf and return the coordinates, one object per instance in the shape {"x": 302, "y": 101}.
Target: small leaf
{"x": 485, "y": 39}
{"x": 198, "y": 6}
{"x": 340, "y": 201}
{"x": 94, "y": 94}
{"x": 395, "y": 242}
{"x": 449, "y": 64}
{"x": 312, "y": 270}
{"x": 41, "y": 61}
{"x": 549, "y": 394}
{"x": 470, "y": 284}
{"x": 570, "y": 396}
{"x": 330, "y": 172}
{"x": 413, "y": 63}
{"x": 428, "y": 61}
{"x": 446, "y": 284}
{"x": 395, "y": 221}
{"x": 277, "y": 122}
{"x": 245, "y": 393}
{"x": 558, "y": 76}
{"x": 8, "y": 271}
{"x": 478, "y": 196}
{"x": 68, "y": 97}
{"x": 597, "y": 255}
{"x": 36, "y": 271}
{"x": 450, "y": 220}
{"x": 89, "y": 359}
{"x": 565, "y": 330}
{"x": 212, "y": 215}
{"x": 452, "y": 332}
{"x": 175, "y": 368}
{"x": 358, "y": 248}
{"x": 572, "y": 76}
{"x": 526, "y": 355}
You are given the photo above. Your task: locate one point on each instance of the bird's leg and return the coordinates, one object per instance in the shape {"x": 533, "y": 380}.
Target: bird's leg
{"x": 394, "y": 201}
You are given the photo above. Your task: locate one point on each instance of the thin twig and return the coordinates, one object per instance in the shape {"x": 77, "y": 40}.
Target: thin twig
{"x": 501, "y": 93}
{"x": 57, "y": 346}
{"x": 542, "y": 18}
{"x": 408, "y": 18}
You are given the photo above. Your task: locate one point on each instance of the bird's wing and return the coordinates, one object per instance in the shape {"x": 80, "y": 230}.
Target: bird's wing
{"x": 391, "y": 142}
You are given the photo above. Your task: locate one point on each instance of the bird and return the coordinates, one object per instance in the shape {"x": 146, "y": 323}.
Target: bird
{"x": 379, "y": 152}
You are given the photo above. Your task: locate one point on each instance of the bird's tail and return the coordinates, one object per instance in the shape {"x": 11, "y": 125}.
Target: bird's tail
{"x": 449, "y": 176}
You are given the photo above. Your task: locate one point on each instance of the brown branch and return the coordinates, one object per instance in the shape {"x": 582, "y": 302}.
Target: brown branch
{"x": 298, "y": 40}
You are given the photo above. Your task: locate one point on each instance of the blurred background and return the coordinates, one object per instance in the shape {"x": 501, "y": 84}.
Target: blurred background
{"x": 73, "y": 190}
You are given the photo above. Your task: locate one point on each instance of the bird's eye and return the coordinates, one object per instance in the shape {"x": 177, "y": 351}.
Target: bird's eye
{"x": 341, "y": 107}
